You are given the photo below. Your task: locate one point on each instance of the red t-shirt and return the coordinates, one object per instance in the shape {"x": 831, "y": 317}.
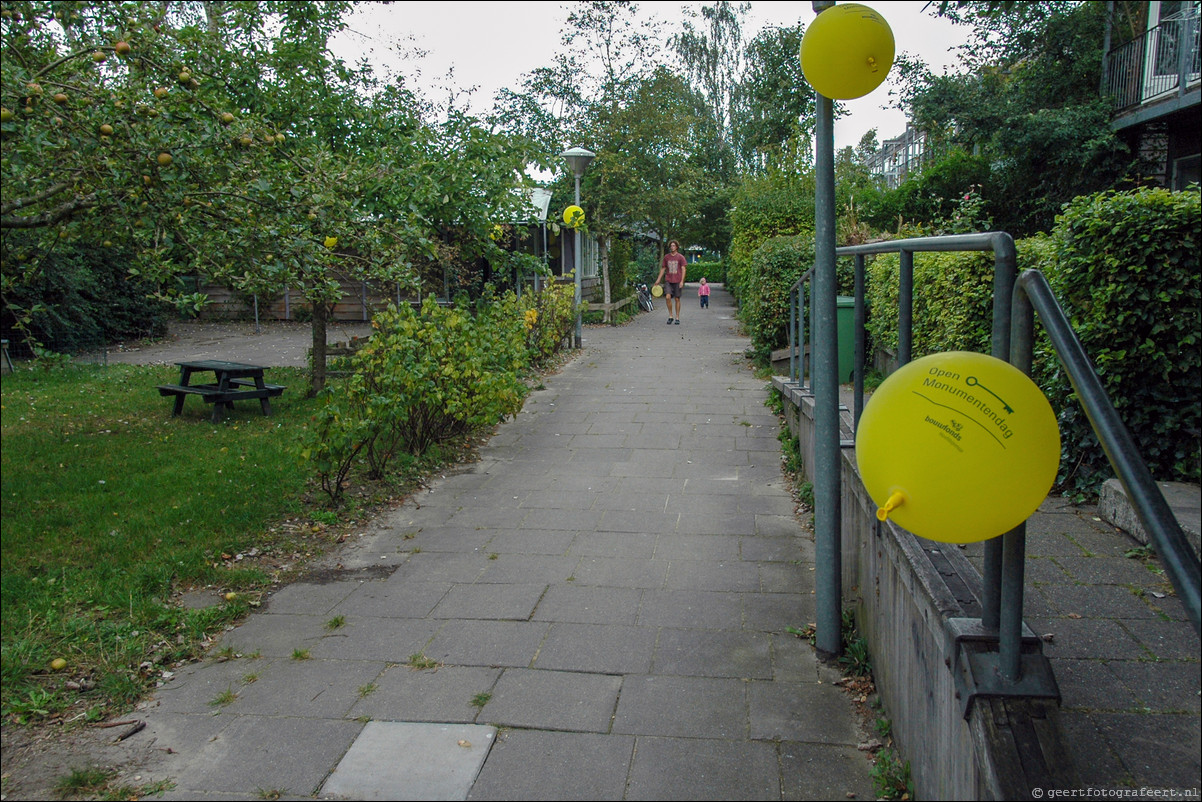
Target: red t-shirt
{"x": 674, "y": 266}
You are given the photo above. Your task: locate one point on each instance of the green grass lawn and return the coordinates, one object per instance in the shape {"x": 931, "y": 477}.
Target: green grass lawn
{"x": 111, "y": 507}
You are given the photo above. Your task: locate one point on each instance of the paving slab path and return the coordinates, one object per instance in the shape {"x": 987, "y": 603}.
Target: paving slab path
{"x": 597, "y": 609}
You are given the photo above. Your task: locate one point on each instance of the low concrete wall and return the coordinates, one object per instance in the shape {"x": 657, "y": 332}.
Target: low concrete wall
{"x": 908, "y": 593}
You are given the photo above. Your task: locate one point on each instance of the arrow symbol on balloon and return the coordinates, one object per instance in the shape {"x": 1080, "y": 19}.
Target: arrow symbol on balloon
{"x": 971, "y": 381}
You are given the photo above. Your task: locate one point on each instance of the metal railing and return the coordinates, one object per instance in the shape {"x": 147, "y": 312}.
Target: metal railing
{"x": 1153, "y": 64}
{"x": 1011, "y": 340}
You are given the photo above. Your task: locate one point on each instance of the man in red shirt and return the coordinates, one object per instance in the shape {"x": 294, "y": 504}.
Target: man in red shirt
{"x": 675, "y": 266}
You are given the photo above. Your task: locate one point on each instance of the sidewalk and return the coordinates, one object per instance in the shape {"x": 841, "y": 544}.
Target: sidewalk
{"x": 602, "y": 602}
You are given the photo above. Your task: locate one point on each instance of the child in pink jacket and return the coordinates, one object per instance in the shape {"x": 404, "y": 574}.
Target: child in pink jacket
{"x": 703, "y": 292}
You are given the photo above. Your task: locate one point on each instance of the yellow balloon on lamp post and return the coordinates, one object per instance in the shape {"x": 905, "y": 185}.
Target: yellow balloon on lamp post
{"x": 847, "y": 51}
{"x": 573, "y": 216}
{"x": 958, "y": 447}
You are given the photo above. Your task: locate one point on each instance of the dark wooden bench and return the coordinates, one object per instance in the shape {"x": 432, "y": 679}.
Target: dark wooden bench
{"x": 213, "y": 394}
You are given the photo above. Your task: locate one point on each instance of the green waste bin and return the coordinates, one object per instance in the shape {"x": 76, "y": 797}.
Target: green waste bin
{"x": 846, "y": 324}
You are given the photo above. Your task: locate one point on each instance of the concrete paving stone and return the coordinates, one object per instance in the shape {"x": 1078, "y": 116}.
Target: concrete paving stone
{"x": 1103, "y": 570}
{"x": 699, "y": 469}
{"x": 572, "y": 482}
{"x": 713, "y": 653}
{"x": 555, "y": 500}
{"x": 632, "y": 545}
{"x": 553, "y": 700}
{"x": 1045, "y": 570}
{"x": 527, "y": 569}
{"x": 307, "y": 598}
{"x": 1092, "y": 684}
{"x": 710, "y": 506}
{"x": 489, "y": 517}
{"x": 819, "y": 771}
{"x": 801, "y": 711}
{"x": 450, "y": 539}
{"x": 647, "y": 485}
{"x": 1036, "y": 603}
{"x": 537, "y": 765}
{"x": 763, "y": 548}
{"x": 729, "y": 524}
{"x": 773, "y": 525}
{"x": 275, "y": 635}
{"x": 405, "y": 761}
{"x": 560, "y": 520}
{"x": 1110, "y": 543}
{"x": 1083, "y": 638}
{"x": 435, "y": 566}
{"x": 514, "y": 602}
{"x": 487, "y": 643}
{"x": 386, "y": 639}
{"x": 597, "y": 648}
{"x": 174, "y": 736}
{"x": 1091, "y": 755}
{"x": 705, "y": 574}
{"x": 786, "y": 577}
{"x": 684, "y": 768}
{"x": 1096, "y": 601}
{"x": 1160, "y": 751}
{"x": 310, "y": 687}
{"x": 691, "y": 609}
{"x": 195, "y": 686}
{"x": 257, "y": 755}
{"x": 1165, "y": 639}
{"x": 444, "y": 694}
{"x": 780, "y": 504}
{"x": 690, "y": 546}
{"x": 622, "y": 572}
{"x": 403, "y": 598}
{"x": 639, "y": 521}
{"x": 773, "y": 612}
{"x": 532, "y": 541}
{"x": 684, "y": 707}
{"x": 635, "y": 502}
{"x": 794, "y": 659}
{"x": 1166, "y": 686}
{"x": 589, "y": 604}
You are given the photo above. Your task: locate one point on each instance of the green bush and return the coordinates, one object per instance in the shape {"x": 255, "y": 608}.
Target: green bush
{"x": 779, "y": 204}
{"x": 1128, "y": 275}
{"x": 548, "y": 316}
{"x": 423, "y": 377}
{"x": 775, "y": 268}
{"x": 80, "y": 299}
{"x": 712, "y": 272}
{"x": 953, "y": 302}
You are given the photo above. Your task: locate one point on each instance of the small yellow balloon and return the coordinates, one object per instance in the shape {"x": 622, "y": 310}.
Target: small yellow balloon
{"x": 573, "y": 216}
{"x": 58, "y": 664}
{"x": 331, "y": 242}
{"x": 847, "y": 51}
{"x": 958, "y": 447}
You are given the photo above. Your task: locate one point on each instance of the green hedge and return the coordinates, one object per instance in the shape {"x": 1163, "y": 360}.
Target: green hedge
{"x": 1125, "y": 268}
{"x": 712, "y": 272}
{"x": 764, "y": 308}
{"x": 1128, "y": 274}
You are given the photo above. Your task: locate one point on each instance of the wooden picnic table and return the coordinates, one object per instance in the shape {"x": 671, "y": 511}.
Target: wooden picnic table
{"x": 234, "y": 381}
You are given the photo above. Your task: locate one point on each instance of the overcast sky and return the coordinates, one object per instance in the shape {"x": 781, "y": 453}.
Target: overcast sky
{"x": 490, "y": 45}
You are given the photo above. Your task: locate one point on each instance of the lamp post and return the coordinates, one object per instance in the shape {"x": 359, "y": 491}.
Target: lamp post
{"x": 578, "y": 160}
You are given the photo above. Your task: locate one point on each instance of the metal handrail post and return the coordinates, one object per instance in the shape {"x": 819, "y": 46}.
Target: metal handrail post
{"x": 905, "y": 307}
{"x": 859, "y": 322}
{"x": 793, "y": 333}
{"x": 1154, "y": 512}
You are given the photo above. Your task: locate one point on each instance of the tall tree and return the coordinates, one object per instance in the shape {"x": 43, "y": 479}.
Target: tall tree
{"x": 711, "y": 57}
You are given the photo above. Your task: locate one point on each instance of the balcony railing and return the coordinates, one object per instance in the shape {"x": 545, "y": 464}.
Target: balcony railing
{"x": 1160, "y": 62}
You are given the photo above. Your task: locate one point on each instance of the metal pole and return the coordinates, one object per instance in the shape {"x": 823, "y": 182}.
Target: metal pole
{"x": 825, "y": 373}
{"x": 579, "y": 327}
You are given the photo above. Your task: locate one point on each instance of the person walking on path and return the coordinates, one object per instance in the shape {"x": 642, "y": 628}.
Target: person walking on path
{"x": 703, "y": 292}
{"x": 674, "y": 265}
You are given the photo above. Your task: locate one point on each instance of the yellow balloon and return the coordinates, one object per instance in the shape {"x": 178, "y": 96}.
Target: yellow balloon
{"x": 573, "y": 216}
{"x": 847, "y": 51}
{"x": 958, "y": 447}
